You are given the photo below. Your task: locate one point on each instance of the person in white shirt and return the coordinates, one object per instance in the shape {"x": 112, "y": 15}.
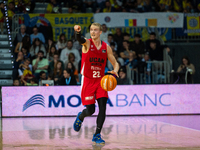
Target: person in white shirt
{"x": 69, "y": 49}
{"x": 105, "y": 32}
{"x": 87, "y": 35}
{"x": 62, "y": 42}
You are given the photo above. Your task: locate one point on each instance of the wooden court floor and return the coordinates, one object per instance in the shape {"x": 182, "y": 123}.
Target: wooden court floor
{"x": 120, "y": 133}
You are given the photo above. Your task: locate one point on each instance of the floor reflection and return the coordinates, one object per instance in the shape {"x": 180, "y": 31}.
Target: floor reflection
{"x": 118, "y": 132}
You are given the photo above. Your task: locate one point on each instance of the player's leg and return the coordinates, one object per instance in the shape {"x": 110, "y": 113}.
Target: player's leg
{"x": 88, "y": 99}
{"x": 102, "y": 113}
{"x": 100, "y": 120}
{"x": 90, "y": 109}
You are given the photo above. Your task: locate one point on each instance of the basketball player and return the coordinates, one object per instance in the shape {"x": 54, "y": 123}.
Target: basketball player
{"x": 94, "y": 56}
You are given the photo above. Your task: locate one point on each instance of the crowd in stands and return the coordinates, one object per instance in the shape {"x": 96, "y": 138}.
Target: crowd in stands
{"x": 81, "y": 6}
{"x": 39, "y": 58}
{"x": 123, "y": 6}
{"x": 60, "y": 61}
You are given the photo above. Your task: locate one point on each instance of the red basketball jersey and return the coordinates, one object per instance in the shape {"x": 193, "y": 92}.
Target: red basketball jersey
{"x": 94, "y": 61}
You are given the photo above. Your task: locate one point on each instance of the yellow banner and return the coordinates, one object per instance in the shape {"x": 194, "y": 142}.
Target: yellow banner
{"x": 63, "y": 23}
{"x": 193, "y": 25}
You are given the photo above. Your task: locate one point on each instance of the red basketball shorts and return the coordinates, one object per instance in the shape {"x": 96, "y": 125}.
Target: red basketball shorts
{"x": 91, "y": 90}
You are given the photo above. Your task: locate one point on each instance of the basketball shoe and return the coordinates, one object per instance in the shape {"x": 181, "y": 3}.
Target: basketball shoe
{"x": 77, "y": 123}
{"x": 97, "y": 139}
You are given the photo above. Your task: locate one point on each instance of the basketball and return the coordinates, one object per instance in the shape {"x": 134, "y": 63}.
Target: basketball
{"x": 108, "y": 82}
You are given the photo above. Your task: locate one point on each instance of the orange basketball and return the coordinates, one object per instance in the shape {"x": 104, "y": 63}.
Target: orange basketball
{"x": 108, "y": 82}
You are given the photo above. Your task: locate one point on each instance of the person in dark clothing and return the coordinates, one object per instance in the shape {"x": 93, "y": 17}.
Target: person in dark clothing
{"x": 118, "y": 37}
{"x": 152, "y": 37}
{"x": 122, "y": 80}
{"x": 156, "y": 52}
{"x": 67, "y": 78}
{"x": 17, "y": 62}
{"x": 138, "y": 45}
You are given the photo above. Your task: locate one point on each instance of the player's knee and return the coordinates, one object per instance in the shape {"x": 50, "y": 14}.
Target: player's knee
{"x": 91, "y": 111}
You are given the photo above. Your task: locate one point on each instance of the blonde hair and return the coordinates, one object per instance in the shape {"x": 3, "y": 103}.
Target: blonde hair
{"x": 98, "y": 25}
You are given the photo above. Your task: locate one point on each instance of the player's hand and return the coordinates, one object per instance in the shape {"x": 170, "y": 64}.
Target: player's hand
{"x": 77, "y": 28}
{"x": 113, "y": 72}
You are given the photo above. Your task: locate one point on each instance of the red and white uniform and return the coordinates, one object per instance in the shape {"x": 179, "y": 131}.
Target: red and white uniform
{"x": 92, "y": 69}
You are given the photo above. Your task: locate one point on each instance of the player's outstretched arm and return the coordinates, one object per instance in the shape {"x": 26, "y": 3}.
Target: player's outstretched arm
{"x": 113, "y": 61}
{"x": 81, "y": 39}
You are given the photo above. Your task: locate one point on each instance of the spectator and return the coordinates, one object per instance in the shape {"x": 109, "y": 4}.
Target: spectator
{"x": 100, "y": 5}
{"x": 54, "y": 62}
{"x": 138, "y": 46}
{"x": 71, "y": 58}
{"x": 71, "y": 66}
{"x": 145, "y": 59}
{"x": 2, "y": 15}
{"x": 40, "y": 64}
{"x": 186, "y": 71}
{"x": 76, "y": 44}
{"x": 144, "y": 5}
{"x": 144, "y": 68}
{"x": 11, "y": 12}
{"x": 50, "y": 77}
{"x": 108, "y": 7}
{"x": 122, "y": 80}
{"x": 117, "y": 4}
{"x": 152, "y": 37}
{"x": 124, "y": 52}
{"x": 62, "y": 42}
{"x": 187, "y": 6}
{"x": 36, "y": 34}
{"x": 53, "y": 7}
{"x": 43, "y": 76}
{"x": 30, "y": 5}
{"x": 21, "y": 7}
{"x": 132, "y": 61}
{"x": 89, "y": 4}
{"x": 119, "y": 59}
{"x": 33, "y": 82}
{"x": 198, "y": 6}
{"x": 16, "y": 82}
{"x": 36, "y": 47}
{"x": 19, "y": 36}
{"x": 25, "y": 52}
{"x": 165, "y": 5}
{"x": 186, "y": 65}
{"x": 178, "y": 6}
{"x": 50, "y": 44}
{"x": 126, "y": 36}
{"x": 75, "y": 5}
{"x": 17, "y": 62}
{"x": 130, "y": 5}
{"x": 118, "y": 37}
{"x": 24, "y": 43}
{"x": 105, "y": 33}
{"x": 156, "y": 52}
{"x": 57, "y": 73}
{"x": 67, "y": 78}
{"x": 25, "y": 70}
{"x": 113, "y": 46}
{"x": 69, "y": 49}
{"x": 70, "y": 10}
{"x": 51, "y": 53}
{"x": 87, "y": 35}
{"x": 110, "y": 40}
